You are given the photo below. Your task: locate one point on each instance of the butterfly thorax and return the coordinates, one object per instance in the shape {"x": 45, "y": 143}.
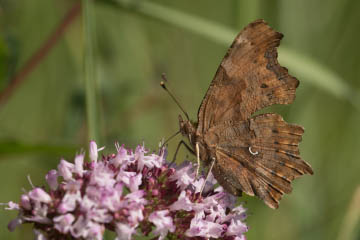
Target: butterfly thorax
{"x": 188, "y": 129}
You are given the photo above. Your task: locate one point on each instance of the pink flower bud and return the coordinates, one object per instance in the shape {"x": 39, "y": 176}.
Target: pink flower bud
{"x": 79, "y": 164}
{"x": 25, "y": 202}
{"x": 39, "y": 195}
{"x": 93, "y": 151}
{"x": 51, "y": 179}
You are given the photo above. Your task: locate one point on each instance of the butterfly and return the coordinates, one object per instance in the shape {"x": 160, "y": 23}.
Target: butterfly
{"x": 258, "y": 155}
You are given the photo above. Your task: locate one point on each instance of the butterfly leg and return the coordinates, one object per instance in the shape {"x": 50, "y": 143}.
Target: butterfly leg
{"x": 198, "y": 160}
{"x": 167, "y": 140}
{"x": 207, "y": 175}
{"x": 177, "y": 149}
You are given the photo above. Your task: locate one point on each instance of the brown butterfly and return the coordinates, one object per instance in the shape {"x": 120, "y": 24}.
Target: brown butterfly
{"x": 257, "y": 155}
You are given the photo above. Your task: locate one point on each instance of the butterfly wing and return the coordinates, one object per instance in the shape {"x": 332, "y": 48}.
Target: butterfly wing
{"x": 259, "y": 155}
{"x": 249, "y": 78}
{"x": 266, "y": 170}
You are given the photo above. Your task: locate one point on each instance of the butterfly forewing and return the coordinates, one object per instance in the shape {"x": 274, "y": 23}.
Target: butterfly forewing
{"x": 249, "y": 78}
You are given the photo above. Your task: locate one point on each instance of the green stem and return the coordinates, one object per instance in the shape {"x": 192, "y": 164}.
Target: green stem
{"x": 89, "y": 70}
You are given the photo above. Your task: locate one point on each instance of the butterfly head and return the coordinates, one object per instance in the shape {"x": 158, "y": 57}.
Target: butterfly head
{"x": 187, "y": 128}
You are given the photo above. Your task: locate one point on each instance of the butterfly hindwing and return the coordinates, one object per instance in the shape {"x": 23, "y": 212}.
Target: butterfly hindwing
{"x": 278, "y": 142}
{"x": 259, "y": 156}
{"x": 236, "y": 176}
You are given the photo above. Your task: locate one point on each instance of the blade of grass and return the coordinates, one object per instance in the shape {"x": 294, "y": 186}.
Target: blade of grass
{"x": 206, "y": 28}
{"x": 89, "y": 70}
{"x": 246, "y": 11}
{"x": 316, "y": 73}
{"x": 308, "y": 68}
{"x": 351, "y": 219}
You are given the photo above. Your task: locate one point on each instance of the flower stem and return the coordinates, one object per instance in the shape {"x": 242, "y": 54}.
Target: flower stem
{"x": 89, "y": 70}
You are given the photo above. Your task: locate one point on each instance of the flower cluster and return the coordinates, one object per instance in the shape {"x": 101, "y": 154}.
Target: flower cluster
{"x": 131, "y": 193}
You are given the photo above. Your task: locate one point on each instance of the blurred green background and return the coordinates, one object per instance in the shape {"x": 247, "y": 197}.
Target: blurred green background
{"x": 44, "y": 117}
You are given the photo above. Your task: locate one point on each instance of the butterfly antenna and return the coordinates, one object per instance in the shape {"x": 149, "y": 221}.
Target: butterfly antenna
{"x": 162, "y": 84}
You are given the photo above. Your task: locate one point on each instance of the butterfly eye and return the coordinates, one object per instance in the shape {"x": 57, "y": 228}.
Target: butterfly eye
{"x": 253, "y": 153}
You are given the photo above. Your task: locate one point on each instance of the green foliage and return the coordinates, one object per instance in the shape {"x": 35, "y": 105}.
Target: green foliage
{"x": 134, "y": 42}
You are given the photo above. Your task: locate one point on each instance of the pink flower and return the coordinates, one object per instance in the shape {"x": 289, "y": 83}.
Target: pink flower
{"x": 135, "y": 182}
{"x": 102, "y": 176}
{"x": 135, "y": 215}
{"x": 79, "y": 164}
{"x": 200, "y": 227}
{"x": 79, "y": 229}
{"x": 39, "y": 214}
{"x": 182, "y": 203}
{"x": 51, "y": 179}
{"x": 124, "y": 231}
{"x": 95, "y": 231}
{"x": 237, "y": 228}
{"x": 136, "y": 197}
{"x": 121, "y": 158}
{"x": 65, "y": 169}
{"x": 113, "y": 201}
{"x": 163, "y": 223}
{"x": 125, "y": 177}
{"x": 101, "y": 215}
{"x": 69, "y": 202}
{"x": 12, "y": 206}
{"x": 184, "y": 175}
{"x": 63, "y": 223}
